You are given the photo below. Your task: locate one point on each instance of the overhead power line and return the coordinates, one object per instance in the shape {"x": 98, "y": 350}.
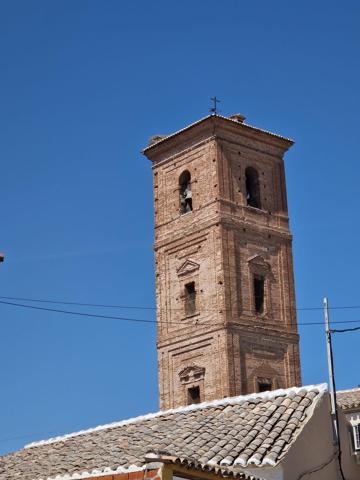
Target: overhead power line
{"x": 332, "y": 330}
{"x": 82, "y": 314}
{"x": 143, "y": 320}
{"x": 141, "y": 307}
{"x": 80, "y": 304}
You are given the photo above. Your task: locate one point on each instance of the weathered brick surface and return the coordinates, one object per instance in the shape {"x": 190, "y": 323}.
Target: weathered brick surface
{"x": 220, "y": 246}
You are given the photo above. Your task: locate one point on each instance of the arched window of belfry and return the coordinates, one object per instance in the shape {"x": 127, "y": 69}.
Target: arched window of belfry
{"x": 252, "y": 187}
{"x": 185, "y": 192}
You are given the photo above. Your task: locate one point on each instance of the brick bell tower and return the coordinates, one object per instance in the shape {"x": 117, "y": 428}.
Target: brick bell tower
{"x": 224, "y": 273}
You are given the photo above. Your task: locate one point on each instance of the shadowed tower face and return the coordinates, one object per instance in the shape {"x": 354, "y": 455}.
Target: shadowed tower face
{"x": 224, "y": 273}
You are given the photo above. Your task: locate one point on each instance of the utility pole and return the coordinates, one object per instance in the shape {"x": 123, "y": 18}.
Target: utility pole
{"x": 332, "y": 387}
{"x": 330, "y": 360}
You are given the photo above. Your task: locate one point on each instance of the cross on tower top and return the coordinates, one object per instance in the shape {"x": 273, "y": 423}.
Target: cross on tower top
{"x": 214, "y": 109}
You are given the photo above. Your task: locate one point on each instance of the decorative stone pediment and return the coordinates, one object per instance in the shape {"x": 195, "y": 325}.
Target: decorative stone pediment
{"x": 192, "y": 373}
{"x": 264, "y": 372}
{"x": 265, "y": 375}
{"x": 257, "y": 262}
{"x": 189, "y": 266}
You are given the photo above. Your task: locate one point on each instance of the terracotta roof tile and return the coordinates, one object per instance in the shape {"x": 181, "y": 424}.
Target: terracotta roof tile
{"x": 348, "y": 399}
{"x": 251, "y": 430}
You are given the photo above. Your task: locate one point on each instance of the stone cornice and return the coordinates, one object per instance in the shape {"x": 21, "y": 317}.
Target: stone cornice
{"x": 209, "y": 126}
{"x": 224, "y": 219}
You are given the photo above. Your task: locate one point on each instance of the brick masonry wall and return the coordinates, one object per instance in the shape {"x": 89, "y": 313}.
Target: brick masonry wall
{"x": 225, "y": 347}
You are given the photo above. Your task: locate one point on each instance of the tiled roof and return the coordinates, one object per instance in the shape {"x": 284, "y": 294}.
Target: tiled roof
{"x": 252, "y": 430}
{"x": 348, "y": 399}
{"x": 164, "y": 138}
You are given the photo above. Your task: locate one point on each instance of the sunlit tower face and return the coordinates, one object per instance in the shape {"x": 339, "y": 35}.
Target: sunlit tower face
{"x": 223, "y": 260}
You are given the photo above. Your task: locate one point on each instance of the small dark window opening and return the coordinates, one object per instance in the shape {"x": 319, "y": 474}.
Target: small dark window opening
{"x": 185, "y": 192}
{"x": 252, "y": 188}
{"x": 259, "y": 293}
{"x": 264, "y": 386}
{"x": 190, "y": 298}
{"x": 193, "y": 395}
{"x": 356, "y": 431}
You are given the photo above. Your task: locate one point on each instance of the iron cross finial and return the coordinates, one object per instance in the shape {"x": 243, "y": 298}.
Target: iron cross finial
{"x": 214, "y": 109}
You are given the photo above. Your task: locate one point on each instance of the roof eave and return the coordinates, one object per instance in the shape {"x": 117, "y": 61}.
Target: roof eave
{"x": 287, "y": 141}
{"x": 192, "y": 464}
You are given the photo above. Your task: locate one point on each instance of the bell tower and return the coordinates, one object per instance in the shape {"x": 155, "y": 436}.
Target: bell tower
{"x": 223, "y": 260}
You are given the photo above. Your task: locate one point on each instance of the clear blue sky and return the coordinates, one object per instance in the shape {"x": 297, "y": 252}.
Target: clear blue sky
{"x": 83, "y": 85}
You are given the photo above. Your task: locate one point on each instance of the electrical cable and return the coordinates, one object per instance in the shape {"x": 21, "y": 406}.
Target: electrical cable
{"x": 140, "y": 307}
{"x": 317, "y": 469}
{"x": 83, "y": 314}
{"x": 332, "y": 330}
{"x": 60, "y": 302}
{"x": 143, "y": 320}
